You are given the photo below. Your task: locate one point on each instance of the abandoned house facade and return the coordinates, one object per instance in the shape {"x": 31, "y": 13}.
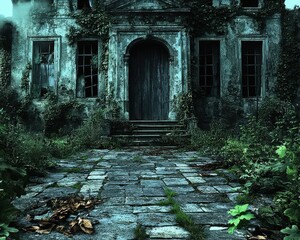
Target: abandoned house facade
{"x": 149, "y": 57}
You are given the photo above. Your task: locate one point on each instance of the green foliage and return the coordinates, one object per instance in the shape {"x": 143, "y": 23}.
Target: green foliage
{"x": 61, "y": 117}
{"x": 294, "y": 233}
{"x": 183, "y": 106}
{"x": 196, "y": 231}
{"x": 25, "y": 81}
{"x": 240, "y": 214}
{"x": 140, "y": 233}
{"x": 90, "y": 134}
{"x": 5, "y": 60}
{"x": 289, "y": 65}
{"x": 92, "y": 23}
{"x": 11, "y": 185}
{"x": 210, "y": 141}
{"x": 5, "y": 231}
{"x": 235, "y": 151}
{"x": 216, "y": 19}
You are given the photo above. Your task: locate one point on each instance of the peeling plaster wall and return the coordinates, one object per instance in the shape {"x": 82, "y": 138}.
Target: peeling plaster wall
{"x": 45, "y": 27}
{"x": 171, "y": 32}
{"x": 241, "y": 29}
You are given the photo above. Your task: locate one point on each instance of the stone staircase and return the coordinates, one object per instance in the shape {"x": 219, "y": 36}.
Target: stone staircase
{"x": 152, "y": 132}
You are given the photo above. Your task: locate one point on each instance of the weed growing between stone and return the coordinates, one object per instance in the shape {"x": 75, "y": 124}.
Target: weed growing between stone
{"x": 183, "y": 220}
{"x": 140, "y": 233}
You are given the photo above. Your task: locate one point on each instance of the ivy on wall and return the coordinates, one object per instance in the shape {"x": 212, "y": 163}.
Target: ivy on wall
{"x": 289, "y": 65}
{"x": 205, "y": 18}
{"x": 92, "y": 23}
{"x": 5, "y": 60}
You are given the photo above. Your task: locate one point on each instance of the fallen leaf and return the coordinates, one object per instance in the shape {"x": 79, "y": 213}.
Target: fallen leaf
{"x": 258, "y": 237}
{"x": 85, "y": 225}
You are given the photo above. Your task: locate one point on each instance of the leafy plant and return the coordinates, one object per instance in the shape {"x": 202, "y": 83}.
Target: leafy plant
{"x": 240, "y": 214}
{"x": 140, "y": 233}
{"x": 5, "y": 231}
{"x": 294, "y": 233}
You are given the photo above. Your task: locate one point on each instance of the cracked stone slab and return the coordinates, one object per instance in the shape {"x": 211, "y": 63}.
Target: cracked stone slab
{"x": 191, "y": 208}
{"x": 168, "y": 232}
{"x": 152, "y": 183}
{"x": 96, "y": 177}
{"x": 152, "y": 209}
{"x": 196, "y": 180}
{"x": 175, "y": 181}
{"x": 140, "y": 201}
{"x": 225, "y": 189}
{"x": 154, "y": 192}
{"x": 156, "y": 219}
{"x": 207, "y": 189}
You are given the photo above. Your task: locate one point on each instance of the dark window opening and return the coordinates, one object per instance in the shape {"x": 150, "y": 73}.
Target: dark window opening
{"x": 249, "y": 3}
{"x": 84, "y": 4}
{"x": 251, "y": 68}
{"x": 87, "y": 69}
{"x": 209, "y": 68}
{"x": 43, "y": 68}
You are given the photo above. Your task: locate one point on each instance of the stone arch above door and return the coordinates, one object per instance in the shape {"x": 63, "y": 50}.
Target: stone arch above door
{"x": 123, "y": 38}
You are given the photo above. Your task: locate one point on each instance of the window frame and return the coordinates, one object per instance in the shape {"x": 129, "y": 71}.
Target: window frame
{"x": 220, "y": 65}
{"x": 57, "y": 58}
{"x": 98, "y": 69}
{"x": 262, "y": 89}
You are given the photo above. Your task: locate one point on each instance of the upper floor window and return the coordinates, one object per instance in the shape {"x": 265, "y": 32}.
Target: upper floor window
{"x": 84, "y": 4}
{"x": 43, "y": 68}
{"x": 87, "y": 69}
{"x": 209, "y": 68}
{"x": 250, "y": 3}
{"x": 251, "y": 68}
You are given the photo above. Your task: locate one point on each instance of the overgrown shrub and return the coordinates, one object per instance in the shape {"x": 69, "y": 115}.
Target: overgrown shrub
{"x": 61, "y": 117}
{"x": 91, "y": 133}
{"x": 210, "y": 141}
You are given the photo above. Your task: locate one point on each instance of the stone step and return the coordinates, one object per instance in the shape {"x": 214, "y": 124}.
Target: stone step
{"x": 151, "y": 132}
{"x": 153, "y": 139}
{"x": 156, "y": 131}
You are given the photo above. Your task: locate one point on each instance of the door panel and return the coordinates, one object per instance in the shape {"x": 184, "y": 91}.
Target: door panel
{"x": 149, "y": 81}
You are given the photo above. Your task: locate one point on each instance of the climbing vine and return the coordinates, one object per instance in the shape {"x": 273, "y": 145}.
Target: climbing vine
{"x": 289, "y": 65}
{"x": 205, "y": 18}
{"x": 92, "y": 23}
{"x": 5, "y": 60}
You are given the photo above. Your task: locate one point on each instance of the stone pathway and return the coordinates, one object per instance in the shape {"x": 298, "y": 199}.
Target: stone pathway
{"x": 131, "y": 184}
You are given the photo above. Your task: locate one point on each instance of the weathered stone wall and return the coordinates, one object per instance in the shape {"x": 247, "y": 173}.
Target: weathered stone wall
{"x": 171, "y": 34}
{"x": 49, "y": 25}
{"x": 6, "y": 29}
{"x": 242, "y": 28}
{"x": 133, "y": 21}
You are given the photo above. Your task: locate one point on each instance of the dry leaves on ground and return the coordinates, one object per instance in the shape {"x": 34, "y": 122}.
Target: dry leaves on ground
{"x": 62, "y": 209}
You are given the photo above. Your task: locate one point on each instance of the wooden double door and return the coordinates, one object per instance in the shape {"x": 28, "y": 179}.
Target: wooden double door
{"x": 149, "y": 81}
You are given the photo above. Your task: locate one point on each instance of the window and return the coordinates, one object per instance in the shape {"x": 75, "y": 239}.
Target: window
{"x": 249, "y": 3}
{"x": 87, "y": 69}
{"x": 209, "y": 68}
{"x": 43, "y": 70}
{"x": 84, "y": 4}
{"x": 251, "y": 68}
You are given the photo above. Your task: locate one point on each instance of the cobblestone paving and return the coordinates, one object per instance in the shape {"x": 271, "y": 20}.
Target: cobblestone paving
{"x": 131, "y": 184}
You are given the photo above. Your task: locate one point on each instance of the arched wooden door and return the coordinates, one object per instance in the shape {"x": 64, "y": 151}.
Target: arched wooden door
{"x": 149, "y": 81}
